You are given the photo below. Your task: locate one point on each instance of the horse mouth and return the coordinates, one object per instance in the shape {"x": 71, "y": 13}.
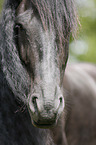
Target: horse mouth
{"x": 44, "y": 125}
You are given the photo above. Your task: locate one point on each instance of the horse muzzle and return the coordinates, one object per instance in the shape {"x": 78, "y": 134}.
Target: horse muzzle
{"x": 44, "y": 110}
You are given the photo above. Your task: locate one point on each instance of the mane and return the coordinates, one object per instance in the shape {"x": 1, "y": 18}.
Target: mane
{"x": 11, "y": 63}
{"x": 59, "y": 15}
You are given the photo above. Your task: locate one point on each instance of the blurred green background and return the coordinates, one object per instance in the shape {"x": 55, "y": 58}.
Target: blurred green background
{"x": 84, "y": 48}
{"x": 1, "y": 3}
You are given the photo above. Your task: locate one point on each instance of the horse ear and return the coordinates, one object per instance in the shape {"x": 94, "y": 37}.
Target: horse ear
{"x": 23, "y": 6}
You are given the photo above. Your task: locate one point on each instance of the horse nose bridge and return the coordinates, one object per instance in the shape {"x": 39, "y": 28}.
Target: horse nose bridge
{"x": 49, "y": 90}
{"x": 51, "y": 98}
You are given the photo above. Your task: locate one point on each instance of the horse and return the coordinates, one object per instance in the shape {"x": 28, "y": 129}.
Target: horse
{"x": 42, "y": 100}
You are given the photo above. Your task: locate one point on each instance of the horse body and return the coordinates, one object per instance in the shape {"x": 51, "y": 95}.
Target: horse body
{"x": 34, "y": 43}
{"x": 80, "y": 128}
{"x": 77, "y": 124}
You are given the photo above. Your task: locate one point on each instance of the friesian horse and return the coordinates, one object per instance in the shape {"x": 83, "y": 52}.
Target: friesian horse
{"x": 43, "y": 102}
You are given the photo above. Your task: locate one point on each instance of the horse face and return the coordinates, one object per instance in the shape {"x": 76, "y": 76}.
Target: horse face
{"x": 39, "y": 53}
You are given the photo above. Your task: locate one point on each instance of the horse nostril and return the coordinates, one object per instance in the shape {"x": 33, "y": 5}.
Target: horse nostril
{"x": 33, "y": 103}
{"x": 61, "y": 99}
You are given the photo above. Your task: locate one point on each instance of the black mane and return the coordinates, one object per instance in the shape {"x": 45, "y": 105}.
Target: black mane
{"x": 60, "y": 13}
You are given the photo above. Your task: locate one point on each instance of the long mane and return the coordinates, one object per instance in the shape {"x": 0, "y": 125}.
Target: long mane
{"x": 60, "y": 13}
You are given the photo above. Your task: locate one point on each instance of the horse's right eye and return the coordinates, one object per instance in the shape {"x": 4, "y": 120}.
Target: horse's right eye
{"x": 19, "y": 27}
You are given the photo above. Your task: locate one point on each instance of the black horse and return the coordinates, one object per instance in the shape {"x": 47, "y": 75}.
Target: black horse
{"x": 34, "y": 41}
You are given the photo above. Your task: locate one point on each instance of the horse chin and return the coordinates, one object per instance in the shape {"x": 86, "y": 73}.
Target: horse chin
{"x": 44, "y": 125}
{"x": 43, "y": 120}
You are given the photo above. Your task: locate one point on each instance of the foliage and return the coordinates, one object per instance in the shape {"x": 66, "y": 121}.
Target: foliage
{"x": 1, "y": 4}
{"x": 84, "y": 49}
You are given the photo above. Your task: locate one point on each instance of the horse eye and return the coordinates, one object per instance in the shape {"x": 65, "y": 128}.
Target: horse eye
{"x": 19, "y": 27}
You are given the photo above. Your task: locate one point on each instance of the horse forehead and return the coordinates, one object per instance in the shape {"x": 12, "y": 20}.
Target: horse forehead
{"x": 47, "y": 33}
{"x": 48, "y": 37}
{"x": 35, "y": 27}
